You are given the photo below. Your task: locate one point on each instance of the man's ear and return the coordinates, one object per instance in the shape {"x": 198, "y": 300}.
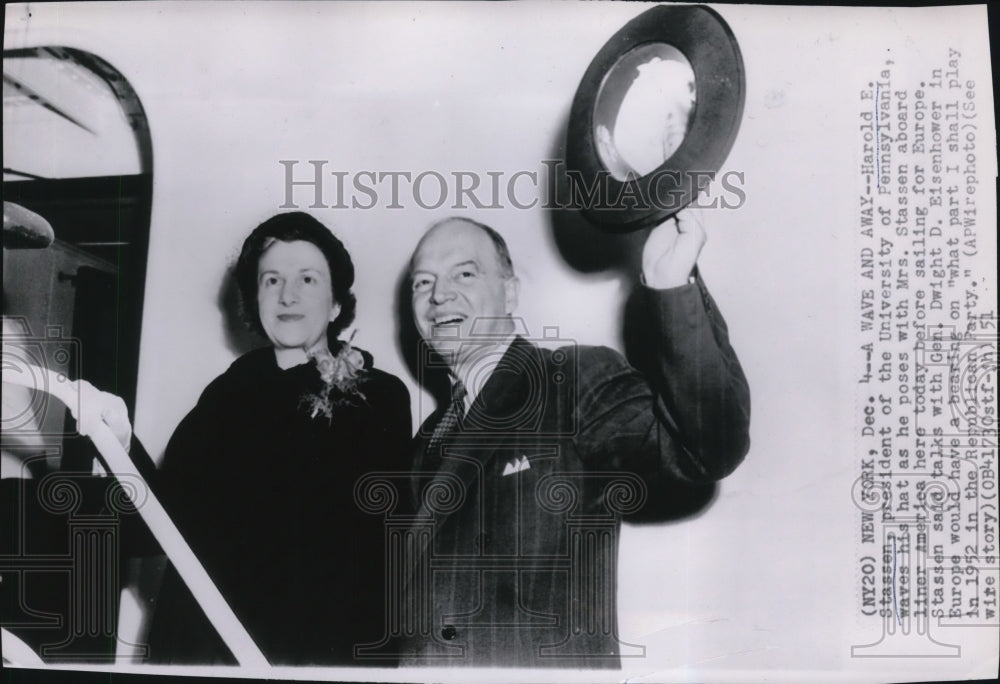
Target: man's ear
{"x": 511, "y": 288}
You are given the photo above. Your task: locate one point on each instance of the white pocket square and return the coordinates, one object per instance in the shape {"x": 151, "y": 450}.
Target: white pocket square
{"x": 516, "y": 466}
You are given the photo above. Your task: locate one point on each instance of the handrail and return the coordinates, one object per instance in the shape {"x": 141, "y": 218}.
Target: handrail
{"x": 229, "y": 627}
{"x": 16, "y": 652}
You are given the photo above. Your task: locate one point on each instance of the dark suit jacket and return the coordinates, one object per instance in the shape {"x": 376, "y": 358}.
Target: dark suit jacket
{"x": 512, "y": 557}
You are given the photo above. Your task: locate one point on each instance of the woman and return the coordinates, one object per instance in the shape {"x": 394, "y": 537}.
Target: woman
{"x": 260, "y": 476}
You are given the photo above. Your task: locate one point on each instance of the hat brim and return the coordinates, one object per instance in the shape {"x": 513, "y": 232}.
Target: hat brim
{"x": 708, "y": 44}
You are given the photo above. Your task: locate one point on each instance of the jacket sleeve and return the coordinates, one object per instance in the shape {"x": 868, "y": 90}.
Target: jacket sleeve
{"x": 687, "y": 415}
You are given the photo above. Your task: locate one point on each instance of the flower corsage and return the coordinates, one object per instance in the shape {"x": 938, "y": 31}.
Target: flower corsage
{"x": 340, "y": 373}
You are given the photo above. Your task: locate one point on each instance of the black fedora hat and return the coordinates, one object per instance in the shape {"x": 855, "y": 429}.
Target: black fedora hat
{"x": 666, "y": 42}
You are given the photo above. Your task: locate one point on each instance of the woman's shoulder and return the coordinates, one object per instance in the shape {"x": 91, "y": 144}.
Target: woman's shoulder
{"x": 377, "y": 376}
{"x": 384, "y": 385}
{"x": 250, "y": 369}
{"x": 254, "y": 370}
{"x": 255, "y": 360}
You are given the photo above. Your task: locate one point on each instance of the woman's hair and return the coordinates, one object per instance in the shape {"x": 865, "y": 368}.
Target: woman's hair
{"x": 289, "y": 227}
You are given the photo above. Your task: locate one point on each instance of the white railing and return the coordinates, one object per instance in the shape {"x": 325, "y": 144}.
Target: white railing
{"x": 180, "y": 554}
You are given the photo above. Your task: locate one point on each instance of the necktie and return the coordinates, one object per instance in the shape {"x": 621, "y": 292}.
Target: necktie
{"x": 450, "y": 422}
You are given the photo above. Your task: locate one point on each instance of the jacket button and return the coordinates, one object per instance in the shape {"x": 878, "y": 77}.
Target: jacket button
{"x": 449, "y": 632}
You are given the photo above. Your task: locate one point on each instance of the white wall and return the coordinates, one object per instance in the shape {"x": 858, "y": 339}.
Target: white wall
{"x": 231, "y": 89}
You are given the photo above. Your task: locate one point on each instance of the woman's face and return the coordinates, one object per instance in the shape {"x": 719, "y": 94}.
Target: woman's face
{"x": 294, "y": 298}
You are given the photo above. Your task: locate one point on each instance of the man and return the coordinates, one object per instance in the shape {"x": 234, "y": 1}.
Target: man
{"x": 522, "y": 480}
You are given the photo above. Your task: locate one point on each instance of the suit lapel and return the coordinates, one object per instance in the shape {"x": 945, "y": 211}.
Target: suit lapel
{"x": 506, "y": 393}
{"x": 493, "y": 416}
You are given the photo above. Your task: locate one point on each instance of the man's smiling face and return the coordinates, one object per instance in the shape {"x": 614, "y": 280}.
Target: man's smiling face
{"x": 460, "y": 290}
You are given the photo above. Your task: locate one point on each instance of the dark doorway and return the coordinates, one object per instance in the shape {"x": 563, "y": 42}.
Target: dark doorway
{"x": 78, "y": 153}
